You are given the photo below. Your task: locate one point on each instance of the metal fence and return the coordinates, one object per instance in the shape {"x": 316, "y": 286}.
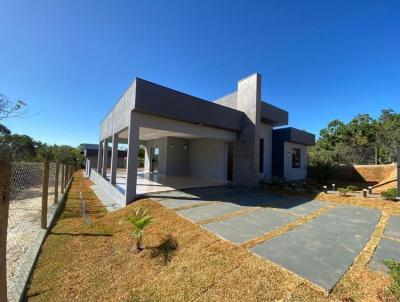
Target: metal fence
{"x": 35, "y": 190}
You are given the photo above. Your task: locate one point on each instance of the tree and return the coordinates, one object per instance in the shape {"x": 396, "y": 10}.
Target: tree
{"x": 364, "y": 140}
{"x": 9, "y": 109}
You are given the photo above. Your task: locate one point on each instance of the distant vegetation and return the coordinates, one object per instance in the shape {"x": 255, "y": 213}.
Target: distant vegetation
{"x": 25, "y": 148}
{"x": 364, "y": 140}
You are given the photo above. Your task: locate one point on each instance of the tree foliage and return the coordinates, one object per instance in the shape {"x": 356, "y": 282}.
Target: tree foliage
{"x": 364, "y": 140}
{"x": 25, "y": 148}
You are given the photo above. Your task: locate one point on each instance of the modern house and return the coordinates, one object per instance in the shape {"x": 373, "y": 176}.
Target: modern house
{"x": 191, "y": 142}
{"x": 91, "y": 154}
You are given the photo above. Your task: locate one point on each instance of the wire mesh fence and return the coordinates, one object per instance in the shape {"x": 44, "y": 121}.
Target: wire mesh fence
{"x": 32, "y": 204}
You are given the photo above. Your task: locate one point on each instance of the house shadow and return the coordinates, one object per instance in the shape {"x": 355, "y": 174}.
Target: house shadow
{"x": 241, "y": 196}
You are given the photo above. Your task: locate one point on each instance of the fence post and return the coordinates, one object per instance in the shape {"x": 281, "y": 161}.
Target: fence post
{"x": 5, "y": 180}
{"x": 66, "y": 176}
{"x": 62, "y": 178}
{"x": 56, "y": 182}
{"x": 45, "y": 193}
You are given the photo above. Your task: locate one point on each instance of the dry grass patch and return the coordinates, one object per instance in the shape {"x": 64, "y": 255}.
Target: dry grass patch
{"x": 180, "y": 262}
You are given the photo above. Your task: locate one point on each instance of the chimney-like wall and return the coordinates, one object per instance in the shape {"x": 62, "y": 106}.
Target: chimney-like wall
{"x": 247, "y": 147}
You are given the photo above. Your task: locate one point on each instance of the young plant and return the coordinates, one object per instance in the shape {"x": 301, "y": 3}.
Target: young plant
{"x": 394, "y": 270}
{"x": 139, "y": 220}
{"x": 343, "y": 191}
{"x": 390, "y": 194}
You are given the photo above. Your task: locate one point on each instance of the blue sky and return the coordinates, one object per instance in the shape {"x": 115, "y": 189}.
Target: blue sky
{"x": 320, "y": 60}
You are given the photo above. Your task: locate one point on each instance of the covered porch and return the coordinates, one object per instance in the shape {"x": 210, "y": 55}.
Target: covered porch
{"x": 177, "y": 155}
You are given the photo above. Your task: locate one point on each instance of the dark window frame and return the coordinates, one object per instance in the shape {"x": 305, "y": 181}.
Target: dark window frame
{"x": 261, "y": 156}
{"x": 296, "y": 158}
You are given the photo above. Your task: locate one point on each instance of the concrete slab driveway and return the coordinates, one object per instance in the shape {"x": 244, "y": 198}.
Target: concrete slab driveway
{"x": 320, "y": 250}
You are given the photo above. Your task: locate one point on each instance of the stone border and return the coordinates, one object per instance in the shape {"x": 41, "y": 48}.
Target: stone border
{"x": 20, "y": 281}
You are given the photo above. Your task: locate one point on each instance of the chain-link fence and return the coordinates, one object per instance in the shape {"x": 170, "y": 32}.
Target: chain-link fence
{"x": 35, "y": 191}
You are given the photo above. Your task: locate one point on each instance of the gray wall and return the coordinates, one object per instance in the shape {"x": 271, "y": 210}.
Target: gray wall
{"x": 177, "y": 156}
{"x": 161, "y": 144}
{"x": 246, "y": 149}
{"x": 208, "y": 159}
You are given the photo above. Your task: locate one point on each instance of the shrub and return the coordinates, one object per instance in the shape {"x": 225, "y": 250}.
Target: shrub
{"x": 390, "y": 194}
{"x": 352, "y": 188}
{"x": 394, "y": 270}
{"x": 343, "y": 191}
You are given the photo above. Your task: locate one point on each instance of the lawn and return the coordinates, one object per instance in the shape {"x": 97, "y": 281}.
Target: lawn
{"x": 181, "y": 262}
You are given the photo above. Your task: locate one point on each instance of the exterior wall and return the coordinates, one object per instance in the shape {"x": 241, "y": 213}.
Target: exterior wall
{"x": 177, "y": 156}
{"x": 246, "y": 148}
{"x": 119, "y": 116}
{"x": 93, "y": 161}
{"x": 161, "y": 144}
{"x": 208, "y": 159}
{"x": 266, "y": 134}
{"x": 294, "y": 173}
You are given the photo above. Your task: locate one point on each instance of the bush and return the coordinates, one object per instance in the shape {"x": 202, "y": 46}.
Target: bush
{"x": 394, "y": 270}
{"x": 343, "y": 191}
{"x": 352, "y": 188}
{"x": 390, "y": 194}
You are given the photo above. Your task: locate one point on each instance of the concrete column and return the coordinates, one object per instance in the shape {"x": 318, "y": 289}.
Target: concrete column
{"x": 100, "y": 157}
{"x": 246, "y": 149}
{"x": 398, "y": 172}
{"x": 146, "y": 159}
{"x": 105, "y": 158}
{"x": 114, "y": 158}
{"x": 132, "y": 161}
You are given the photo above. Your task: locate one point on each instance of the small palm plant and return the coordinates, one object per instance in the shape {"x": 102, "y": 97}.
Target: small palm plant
{"x": 139, "y": 220}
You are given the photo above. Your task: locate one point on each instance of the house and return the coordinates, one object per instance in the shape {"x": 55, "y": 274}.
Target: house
{"x": 91, "y": 154}
{"x": 191, "y": 142}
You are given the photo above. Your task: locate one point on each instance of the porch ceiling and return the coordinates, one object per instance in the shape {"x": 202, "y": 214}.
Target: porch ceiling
{"x": 150, "y": 134}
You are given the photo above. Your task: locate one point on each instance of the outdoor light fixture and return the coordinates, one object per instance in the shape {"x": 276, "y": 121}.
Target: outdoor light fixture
{"x": 172, "y": 146}
{"x": 185, "y": 146}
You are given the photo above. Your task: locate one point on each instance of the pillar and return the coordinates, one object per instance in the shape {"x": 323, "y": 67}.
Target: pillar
{"x": 398, "y": 172}
{"x": 114, "y": 158}
{"x": 147, "y": 156}
{"x": 132, "y": 158}
{"x": 246, "y": 149}
{"x": 105, "y": 158}
{"x": 100, "y": 158}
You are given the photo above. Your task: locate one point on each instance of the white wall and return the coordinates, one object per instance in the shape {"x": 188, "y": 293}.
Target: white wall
{"x": 294, "y": 173}
{"x": 266, "y": 134}
{"x": 208, "y": 159}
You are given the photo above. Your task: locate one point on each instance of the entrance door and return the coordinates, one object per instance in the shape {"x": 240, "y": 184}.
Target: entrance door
{"x": 230, "y": 162}
{"x": 154, "y": 154}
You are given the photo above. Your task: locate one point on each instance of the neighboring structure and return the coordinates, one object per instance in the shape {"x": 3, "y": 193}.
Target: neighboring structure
{"x": 91, "y": 154}
{"x": 229, "y": 140}
{"x": 289, "y": 153}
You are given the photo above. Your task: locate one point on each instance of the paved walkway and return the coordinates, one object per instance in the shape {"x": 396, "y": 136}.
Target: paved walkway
{"x": 320, "y": 247}
{"x": 389, "y": 245}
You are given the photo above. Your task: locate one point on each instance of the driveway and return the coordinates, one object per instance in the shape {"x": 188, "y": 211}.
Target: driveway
{"x": 320, "y": 247}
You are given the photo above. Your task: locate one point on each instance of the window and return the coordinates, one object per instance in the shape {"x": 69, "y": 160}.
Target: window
{"x": 261, "y": 164}
{"x": 296, "y": 155}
